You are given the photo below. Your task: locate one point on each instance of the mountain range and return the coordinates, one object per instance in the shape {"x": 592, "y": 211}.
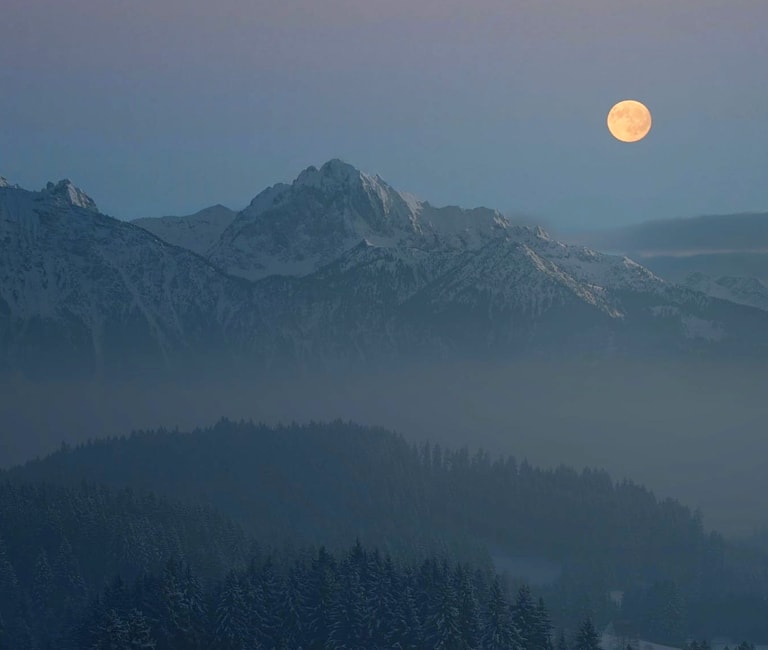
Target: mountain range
{"x": 196, "y": 232}
{"x": 336, "y": 267}
{"x": 741, "y": 290}
{"x": 724, "y": 256}
{"x": 746, "y": 232}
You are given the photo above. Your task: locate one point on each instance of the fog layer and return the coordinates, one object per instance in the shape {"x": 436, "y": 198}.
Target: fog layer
{"x": 695, "y": 431}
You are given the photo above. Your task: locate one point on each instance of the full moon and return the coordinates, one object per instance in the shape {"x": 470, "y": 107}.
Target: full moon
{"x": 629, "y": 121}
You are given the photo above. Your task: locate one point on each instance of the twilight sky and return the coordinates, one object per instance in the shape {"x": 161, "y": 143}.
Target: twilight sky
{"x": 166, "y": 106}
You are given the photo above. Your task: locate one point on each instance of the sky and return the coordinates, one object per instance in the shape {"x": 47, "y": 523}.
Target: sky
{"x": 168, "y": 106}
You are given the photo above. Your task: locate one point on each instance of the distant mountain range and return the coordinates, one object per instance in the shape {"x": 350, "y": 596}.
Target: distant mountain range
{"x": 744, "y": 291}
{"x": 196, "y": 232}
{"x": 335, "y": 267}
{"x": 746, "y": 232}
{"x": 720, "y": 255}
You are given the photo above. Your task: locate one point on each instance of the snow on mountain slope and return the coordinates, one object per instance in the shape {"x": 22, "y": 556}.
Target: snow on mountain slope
{"x": 196, "y": 232}
{"x": 295, "y": 229}
{"x": 743, "y": 291}
{"x": 345, "y": 268}
{"x": 512, "y": 275}
{"x": 64, "y": 194}
{"x": 506, "y": 296}
{"x": 599, "y": 269}
{"x": 78, "y": 286}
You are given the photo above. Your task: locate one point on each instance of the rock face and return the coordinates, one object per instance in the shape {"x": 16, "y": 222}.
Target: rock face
{"x": 336, "y": 267}
{"x": 64, "y": 193}
{"x": 296, "y": 229}
{"x": 82, "y": 290}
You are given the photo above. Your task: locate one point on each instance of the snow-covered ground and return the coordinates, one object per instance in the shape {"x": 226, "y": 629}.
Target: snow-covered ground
{"x": 611, "y": 642}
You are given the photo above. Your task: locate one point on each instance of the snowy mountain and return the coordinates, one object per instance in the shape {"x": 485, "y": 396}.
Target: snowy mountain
{"x": 343, "y": 268}
{"x": 733, "y": 245}
{"x": 84, "y": 290}
{"x": 743, "y": 291}
{"x": 295, "y": 229}
{"x": 196, "y": 232}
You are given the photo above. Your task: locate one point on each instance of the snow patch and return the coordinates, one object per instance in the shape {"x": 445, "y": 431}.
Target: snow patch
{"x": 612, "y": 642}
{"x": 66, "y": 191}
{"x": 5, "y": 183}
{"x": 414, "y": 203}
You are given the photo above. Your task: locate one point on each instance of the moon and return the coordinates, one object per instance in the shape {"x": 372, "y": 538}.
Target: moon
{"x": 629, "y": 120}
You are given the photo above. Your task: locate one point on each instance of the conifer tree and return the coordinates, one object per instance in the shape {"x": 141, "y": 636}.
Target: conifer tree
{"x": 111, "y": 633}
{"x": 266, "y": 592}
{"x": 322, "y": 587}
{"x": 182, "y": 605}
{"x": 469, "y": 609}
{"x": 525, "y": 618}
{"x": 232, "y": 629}
{"x": 69, "y": 585}
{"x": 347, "y": 620}
{"x": 542, "y": 636}
{"x": 139, "y": 632}
{"x": 10, "y": 595}
{"x": 499, "y": 632}
{"x": 587, "y": 637}
{"x": 42, "y": 590}
{"x": 293, "y": 608}
{"x": 443, "y": 628}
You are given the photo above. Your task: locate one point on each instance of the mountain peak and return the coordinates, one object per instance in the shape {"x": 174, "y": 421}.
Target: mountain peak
{"x": 4, "y": 182}
{"x": 67, "y": 192}
{"x": 333, "y": 174}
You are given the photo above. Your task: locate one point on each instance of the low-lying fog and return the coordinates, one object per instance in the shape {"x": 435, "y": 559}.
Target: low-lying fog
{"x": 694, "y": 431}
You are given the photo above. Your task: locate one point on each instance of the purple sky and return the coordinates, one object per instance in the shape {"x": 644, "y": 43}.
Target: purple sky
{"x": 166, "y": 106}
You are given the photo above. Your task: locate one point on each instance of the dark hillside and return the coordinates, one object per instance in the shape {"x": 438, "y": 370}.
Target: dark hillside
{"x": 329, "y": 483}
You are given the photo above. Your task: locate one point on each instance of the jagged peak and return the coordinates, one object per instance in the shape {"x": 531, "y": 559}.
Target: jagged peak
{"x": 333, "y": 173}
{"x": 268, "y": 197}
{"x": 65, "y": 190}
{"x": 521, "y": 231}
{"x": 4, "y": 182}
{"x": 338, "y": 167}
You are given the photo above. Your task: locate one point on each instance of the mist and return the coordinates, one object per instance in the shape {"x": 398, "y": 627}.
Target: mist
{"x": 689, "y": 430}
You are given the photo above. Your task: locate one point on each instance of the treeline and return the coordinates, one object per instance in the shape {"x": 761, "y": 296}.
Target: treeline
{"x": 329, "y": 483}
{"x": 185, "y": 577}
{"x": 60, "y": 546}
{"x": 325, "y": 484}
{"x": 358, "y": 599}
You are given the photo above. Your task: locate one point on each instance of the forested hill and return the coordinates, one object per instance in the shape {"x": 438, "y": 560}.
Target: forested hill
{"x": 60, "y": 547}
{"x": 331, "y": 483}
{"x": 354, "y": 600}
